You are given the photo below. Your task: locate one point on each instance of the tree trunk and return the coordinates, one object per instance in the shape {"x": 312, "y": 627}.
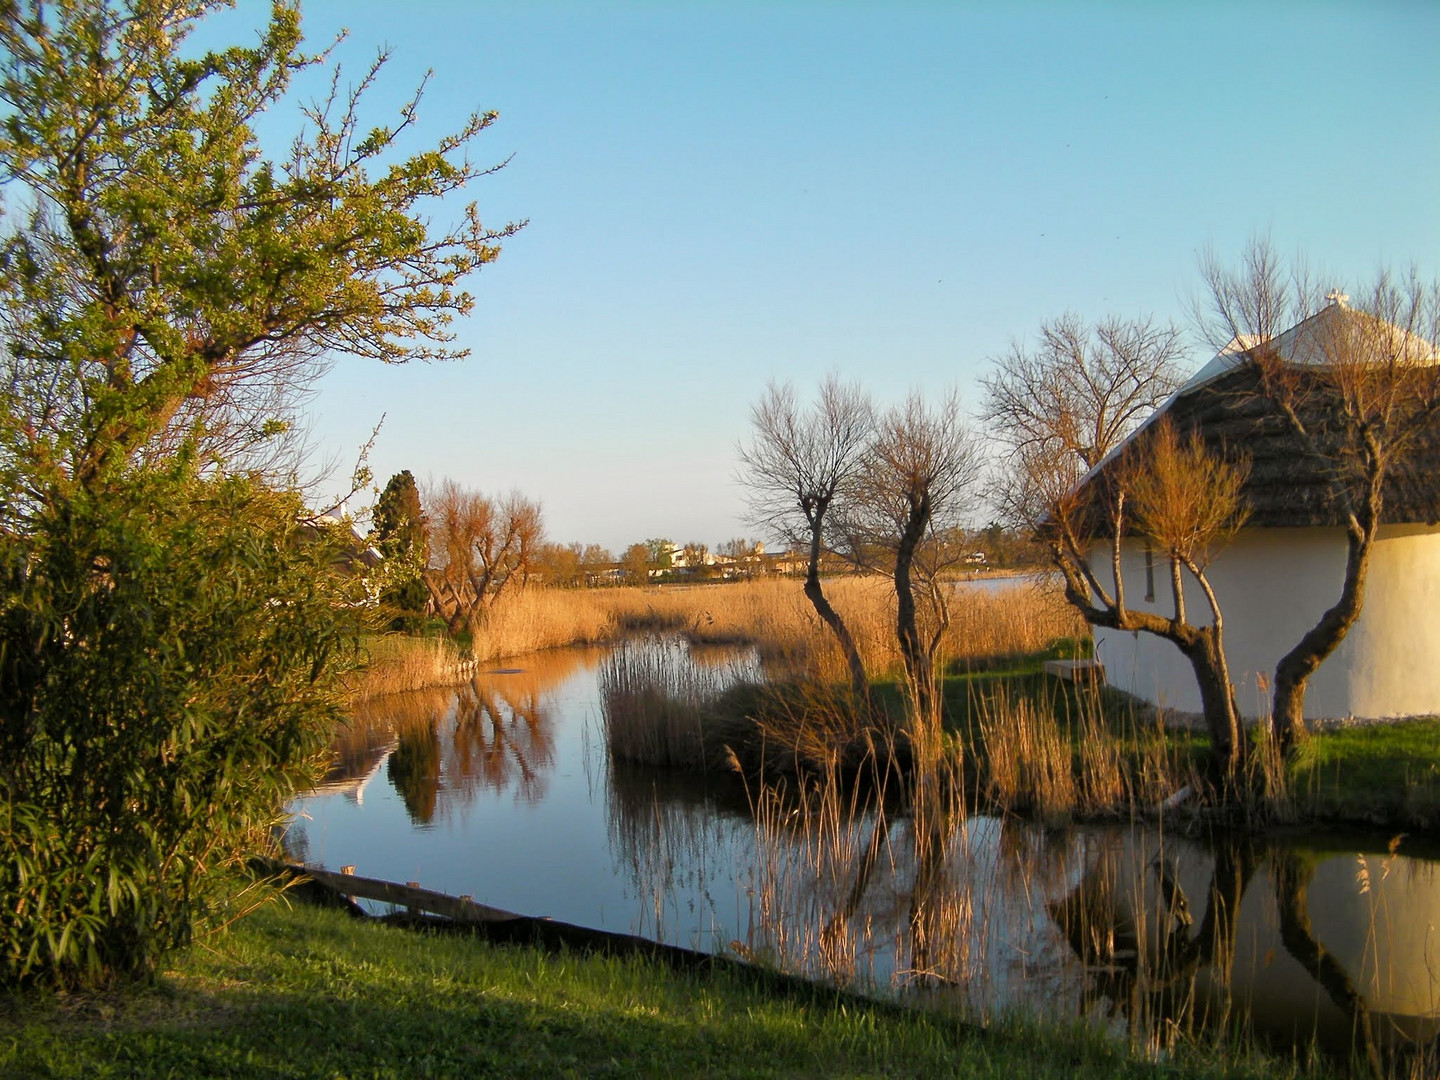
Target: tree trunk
{"x": 859, "y": 681}
{"x": 917, "y": 660}
{"x": 1217, "y": 702}
{"x": 1292, "y": 673}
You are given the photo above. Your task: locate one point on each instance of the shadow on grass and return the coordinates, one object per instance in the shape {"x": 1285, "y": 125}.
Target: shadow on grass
{"x": 308, "y": 994}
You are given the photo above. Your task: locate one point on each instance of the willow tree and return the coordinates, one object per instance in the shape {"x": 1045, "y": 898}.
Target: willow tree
{"x": 798, "y": 464}
{"x": 170, "y": 625}
{"x": 1352, "y": 394}
{"x": 1064, "y": 411}
{"x": 915, "y": 486}
{"x": 481, "y": 547}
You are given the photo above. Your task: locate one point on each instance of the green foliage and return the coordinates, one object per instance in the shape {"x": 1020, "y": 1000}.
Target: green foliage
{"x": 399, "y": 533}
{"x": 170, "y": 627}
{"x": 658, "y": 551}
{"x": 399, "y": 520}
{"x": 174, "y": 282}
{"x": 168, "y": 651}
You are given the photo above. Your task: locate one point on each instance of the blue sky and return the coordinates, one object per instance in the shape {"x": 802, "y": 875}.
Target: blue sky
{"x": 721, "y": 194}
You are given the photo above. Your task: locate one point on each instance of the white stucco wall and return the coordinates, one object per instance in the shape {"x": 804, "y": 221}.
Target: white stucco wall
{"x": 1273, "y": 584}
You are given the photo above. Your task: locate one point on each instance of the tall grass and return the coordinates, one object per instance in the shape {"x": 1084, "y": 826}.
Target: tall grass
{"x": 396, "y": 662}
{"x": 1052, "y": 753}
{"x": 660, "y": 708}
{"x": 770, "y": 613}
{"x": 1029, "y": 758}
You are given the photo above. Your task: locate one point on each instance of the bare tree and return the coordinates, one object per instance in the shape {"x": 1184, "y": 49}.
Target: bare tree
{"x": 1189, "y": 503}
{"x": 1063, "y": 411}
{"x": 478, "y": 545}
{"x": 913, "y": 490}
{"x": 1355, "y": 393}
{"x": 744, "y": 555}
{"x": 1082, "y": 389}
{"x": 796, "y": 466}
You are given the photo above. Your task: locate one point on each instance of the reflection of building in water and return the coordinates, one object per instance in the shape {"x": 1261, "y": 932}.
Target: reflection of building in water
{"x": 1308, "y": 945}
{"x": 356, "y": 757}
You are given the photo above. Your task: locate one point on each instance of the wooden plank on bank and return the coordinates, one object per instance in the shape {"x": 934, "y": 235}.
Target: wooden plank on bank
{"x": 1075, "y": 670}
{"x": 459, "y": 908}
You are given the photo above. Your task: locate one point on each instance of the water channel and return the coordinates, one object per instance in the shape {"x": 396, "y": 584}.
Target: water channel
{"x": 502, "y": 789}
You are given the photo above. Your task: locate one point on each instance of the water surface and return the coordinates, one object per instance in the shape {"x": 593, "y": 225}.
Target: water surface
{"x": 502, "y": 789}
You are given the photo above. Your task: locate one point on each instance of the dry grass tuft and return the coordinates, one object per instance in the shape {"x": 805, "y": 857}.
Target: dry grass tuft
{"x": 660, "y": 709}
{"x": 396, "y": 662}
{"x": 1029, "y": 757}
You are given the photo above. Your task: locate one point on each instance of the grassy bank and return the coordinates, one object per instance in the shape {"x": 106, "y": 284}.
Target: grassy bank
{"x": 305, "y": 993}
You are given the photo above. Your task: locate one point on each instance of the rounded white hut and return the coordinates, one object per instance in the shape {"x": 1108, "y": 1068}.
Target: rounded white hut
{"x": 1278, "y": 576}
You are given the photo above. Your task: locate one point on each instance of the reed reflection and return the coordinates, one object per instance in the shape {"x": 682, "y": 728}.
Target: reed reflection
{"x": 678, "y": 835}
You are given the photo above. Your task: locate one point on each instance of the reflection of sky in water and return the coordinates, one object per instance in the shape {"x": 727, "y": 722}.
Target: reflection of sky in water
{"x": 679, "y": 857}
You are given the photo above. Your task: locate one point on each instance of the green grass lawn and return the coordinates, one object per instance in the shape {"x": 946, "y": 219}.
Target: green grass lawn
{"x": 308, "y": 993}
{"x": 1383, "y": 774}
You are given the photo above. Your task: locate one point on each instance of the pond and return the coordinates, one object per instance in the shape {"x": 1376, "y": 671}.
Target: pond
{"x": 502, "y": 789}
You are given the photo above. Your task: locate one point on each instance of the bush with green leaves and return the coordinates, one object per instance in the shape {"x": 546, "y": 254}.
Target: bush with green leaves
{"x": 169, "y": 647}
{"x": 169, "y": 289}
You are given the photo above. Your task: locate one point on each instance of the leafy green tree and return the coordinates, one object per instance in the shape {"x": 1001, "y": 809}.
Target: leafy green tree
{"x": 659, "y": 553}
{"x": 167, "y": 650}
{"x": 171, "y": 628}
{"x": 398, "y": 532}
{"x": 171, "y": 281}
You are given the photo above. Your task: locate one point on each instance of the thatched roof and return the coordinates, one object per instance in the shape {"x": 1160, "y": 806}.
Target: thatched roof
{"x": 1289, "y": 483}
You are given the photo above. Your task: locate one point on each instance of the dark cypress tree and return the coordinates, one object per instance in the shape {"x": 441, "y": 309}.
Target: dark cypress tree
{"x": 399, "y": 534}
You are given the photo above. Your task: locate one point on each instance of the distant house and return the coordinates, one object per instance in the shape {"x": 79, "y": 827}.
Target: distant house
{"x": 1285, "y": 568}
{"x": 357, "y": 552}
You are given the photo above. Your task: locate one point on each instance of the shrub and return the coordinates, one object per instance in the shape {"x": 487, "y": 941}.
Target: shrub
{"x": 168, "y": 647}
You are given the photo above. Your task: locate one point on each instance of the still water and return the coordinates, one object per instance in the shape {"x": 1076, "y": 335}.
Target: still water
{"x": 502, "y": 789}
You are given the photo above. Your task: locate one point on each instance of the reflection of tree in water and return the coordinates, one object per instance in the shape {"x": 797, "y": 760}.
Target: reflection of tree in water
{"x": 502, "y": 738}
{"x": 493, "y": 733}
{"x": 1157, "y": 926}
{"x": 847, "y": 887}
{"x": 413, "y": 770}
{"x": 1139, "y": 938}
{"x": 1168, "y": 976}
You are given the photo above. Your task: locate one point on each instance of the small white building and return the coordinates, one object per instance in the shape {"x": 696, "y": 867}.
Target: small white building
{"x": 1286, "y": 567}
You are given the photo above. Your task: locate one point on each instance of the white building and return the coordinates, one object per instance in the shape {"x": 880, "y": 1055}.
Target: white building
{"x": 1286, "y": 567}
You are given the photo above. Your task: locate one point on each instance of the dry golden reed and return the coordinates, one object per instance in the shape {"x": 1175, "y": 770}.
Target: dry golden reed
{"x": 1029, "y": 757}
{"x": 770, "y": 613}
{"x": 656, "y": 706}
{"x": 396, "y": 662}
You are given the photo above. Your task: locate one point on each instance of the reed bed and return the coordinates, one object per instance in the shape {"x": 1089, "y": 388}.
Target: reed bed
{"x": 396, "y": 662}
{"x": 1052, "y": 754}
{"x": 659, "y": 708}
{"x": 1029, "y": 758}
{"x": 771, "y": 614}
